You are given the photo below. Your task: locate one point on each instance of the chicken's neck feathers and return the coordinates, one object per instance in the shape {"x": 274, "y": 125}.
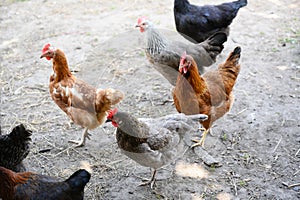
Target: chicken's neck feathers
{"x": 60, "y": 66}
{"x": 156, "y": 42}
{"x": 196, "y": 81}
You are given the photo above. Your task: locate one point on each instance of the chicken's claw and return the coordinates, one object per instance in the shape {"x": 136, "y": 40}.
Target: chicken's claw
{"x": 201, "y": 141}
{"x": 88, "y": 136}
{"x": 81, "y": 143}
{"x": 151, "y": 181}
{"x": 198, "y": 142}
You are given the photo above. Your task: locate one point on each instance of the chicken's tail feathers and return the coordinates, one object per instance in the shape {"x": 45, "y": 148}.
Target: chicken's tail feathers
{"x": 115, "y": 96}
{"x": 217, "y": 39}
{"x": 214, "y": 44}
{"x": 230, "y": 69}
{"x": 79, "y": 179}
{"x": 235, "y": 55}
{"x": 110, "y": 96}
{"x": 242, "y": 3}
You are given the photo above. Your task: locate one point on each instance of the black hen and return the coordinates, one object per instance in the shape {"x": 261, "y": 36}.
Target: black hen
{"x": 28, "y": 185}
{"x": 14, "y": 148}
{"x": 197, "y": 23}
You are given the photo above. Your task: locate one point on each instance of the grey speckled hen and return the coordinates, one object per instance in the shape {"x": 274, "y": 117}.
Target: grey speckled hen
{"x": 165, "y": 54}
{"x": 153, "y": 142}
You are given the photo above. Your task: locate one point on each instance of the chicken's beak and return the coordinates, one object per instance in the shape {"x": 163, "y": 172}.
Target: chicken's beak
{"x": 141, "y": 28}
{"x": 183, "y": 69}
{"x": 108, "y": 120}
{"x": 47, "y": 56}
{"x": 42, "y": 56}
{"x": 180, "y": 68}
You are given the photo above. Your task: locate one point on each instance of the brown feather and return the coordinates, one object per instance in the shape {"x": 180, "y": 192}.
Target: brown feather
{"x": 9, "y": 180}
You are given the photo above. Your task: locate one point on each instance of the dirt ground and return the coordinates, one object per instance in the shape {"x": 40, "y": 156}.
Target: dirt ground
{"x": 257, "y": 144}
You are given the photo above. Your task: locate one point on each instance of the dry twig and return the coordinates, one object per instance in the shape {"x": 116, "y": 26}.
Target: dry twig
{"x": 277, "y": 144}
{"x": 290, "y": 186}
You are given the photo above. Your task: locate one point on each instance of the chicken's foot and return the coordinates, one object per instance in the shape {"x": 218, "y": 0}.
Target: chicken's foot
{"x": 81, "y": 143}
{"x": 201, "y": 141}
{"x": 151, "y": 181}
{"x": 209, "y": 131}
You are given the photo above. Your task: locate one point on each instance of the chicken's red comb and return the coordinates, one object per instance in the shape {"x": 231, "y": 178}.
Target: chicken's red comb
{"x": 112, "y": 113}
{"x": 46, "y": 48}
{"x": 183, "y": 57}
{"x": 141, "y": 19}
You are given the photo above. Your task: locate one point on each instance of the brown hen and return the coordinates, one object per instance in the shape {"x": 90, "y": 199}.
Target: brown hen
{"x": 210, "y": 94}
{"x": 84, "y": 104}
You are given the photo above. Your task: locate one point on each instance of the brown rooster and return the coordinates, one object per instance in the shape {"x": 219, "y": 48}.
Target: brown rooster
{"x": 84, "y": 104}
{"x": 28, "y": 185}
{"x": 165, "y": 54}
{"x": 210, "y": 94}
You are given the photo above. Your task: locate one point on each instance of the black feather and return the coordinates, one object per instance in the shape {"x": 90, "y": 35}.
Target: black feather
{"x": 236, "y": 51}
{"x": 79, "y": 179}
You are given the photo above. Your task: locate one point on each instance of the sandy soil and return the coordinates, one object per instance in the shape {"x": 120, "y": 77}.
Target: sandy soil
{"x": 257, "y": 143}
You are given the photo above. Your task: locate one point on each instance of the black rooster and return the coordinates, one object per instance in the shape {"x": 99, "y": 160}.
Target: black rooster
{"x": 197, "y": 23}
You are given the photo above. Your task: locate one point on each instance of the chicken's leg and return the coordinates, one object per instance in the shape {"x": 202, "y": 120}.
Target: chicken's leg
{"x": 85, "y": 134}
{"x": 151, "y": 181}
{"x": 201, "y": 141}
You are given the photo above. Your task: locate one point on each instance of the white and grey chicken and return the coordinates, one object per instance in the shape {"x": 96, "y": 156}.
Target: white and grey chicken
{"x": 165, "y": 54}
{"x": 155, "y": 142}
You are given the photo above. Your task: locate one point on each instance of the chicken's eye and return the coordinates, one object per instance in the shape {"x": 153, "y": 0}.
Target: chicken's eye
{"x": 144, "y": 24}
